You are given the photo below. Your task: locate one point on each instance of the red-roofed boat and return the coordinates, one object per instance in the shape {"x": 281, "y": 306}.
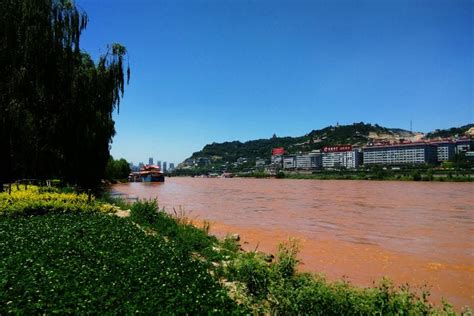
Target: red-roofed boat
{"x": 149, "y": 173}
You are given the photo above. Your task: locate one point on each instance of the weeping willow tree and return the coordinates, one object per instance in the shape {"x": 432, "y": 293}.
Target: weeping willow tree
{"x": 56, "y": 104}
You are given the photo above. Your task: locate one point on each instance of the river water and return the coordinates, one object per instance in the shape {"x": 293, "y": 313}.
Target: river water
{"x": 415, "y": 232}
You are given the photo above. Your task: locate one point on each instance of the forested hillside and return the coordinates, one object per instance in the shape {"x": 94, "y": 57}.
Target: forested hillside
{"x": 355, "y": 134}
{"x": 358, "y": 134}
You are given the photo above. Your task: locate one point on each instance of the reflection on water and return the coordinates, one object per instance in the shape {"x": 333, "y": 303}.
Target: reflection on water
{"x": 410, "y": 231}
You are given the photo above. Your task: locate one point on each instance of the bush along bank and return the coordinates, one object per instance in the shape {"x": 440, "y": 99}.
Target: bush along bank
{"x": 156, "y": 263}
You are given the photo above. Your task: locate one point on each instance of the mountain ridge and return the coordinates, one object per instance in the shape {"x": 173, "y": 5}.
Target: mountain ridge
{"x": 357, "y": 134}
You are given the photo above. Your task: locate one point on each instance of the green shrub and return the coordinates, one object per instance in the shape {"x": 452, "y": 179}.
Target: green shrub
{"x": 146, "y": 212}
{"x": 430, "y": 175}
{"x": 230, "y": 244}
{"x": 280, "y": 175}
{"x": 252, "y": 270}
{"x": 260, "y": 175}
{"x": 416, "y": 176}
{"x": 305, "y": 294}
{"x": 287, "y": 262}
{"x": 380, "y": 174}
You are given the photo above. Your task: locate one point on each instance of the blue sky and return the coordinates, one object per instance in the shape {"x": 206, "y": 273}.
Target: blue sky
{"x": 214, "y": 71}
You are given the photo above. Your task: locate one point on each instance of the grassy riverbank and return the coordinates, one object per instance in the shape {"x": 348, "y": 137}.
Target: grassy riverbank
{"x": 388, "y": 175}
{"x": 65, "y": 253}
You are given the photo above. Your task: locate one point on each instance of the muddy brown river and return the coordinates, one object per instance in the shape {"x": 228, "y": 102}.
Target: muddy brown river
{"x": 415, "y": 232}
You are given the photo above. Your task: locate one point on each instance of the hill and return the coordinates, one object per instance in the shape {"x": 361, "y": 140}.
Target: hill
{"x": 217, "y": 156}
{"x": 355, "y": 134}
{"x": 451, "y": 132}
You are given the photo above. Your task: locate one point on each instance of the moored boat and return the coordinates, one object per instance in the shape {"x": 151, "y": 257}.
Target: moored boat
{"x": 149, "y": 173}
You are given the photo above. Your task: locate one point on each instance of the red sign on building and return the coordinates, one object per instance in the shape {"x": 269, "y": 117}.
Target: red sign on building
{"x": 278, "y": 151}
{"x": 338, "y": 148}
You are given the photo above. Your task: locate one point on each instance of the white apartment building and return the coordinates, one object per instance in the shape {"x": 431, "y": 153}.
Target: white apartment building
{"x": 401, "y": 154}
{"x": 342, "y": 159}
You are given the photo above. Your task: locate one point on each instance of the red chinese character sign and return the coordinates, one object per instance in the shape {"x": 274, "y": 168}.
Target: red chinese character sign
{"x": 278, "y": 151}
{"x": 338, "y": 148}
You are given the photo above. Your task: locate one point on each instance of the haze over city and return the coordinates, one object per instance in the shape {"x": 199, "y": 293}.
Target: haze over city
{"x": 209, "y": 71}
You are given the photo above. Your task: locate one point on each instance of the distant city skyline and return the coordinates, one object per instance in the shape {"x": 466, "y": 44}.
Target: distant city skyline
{"x": 151, "y": 161}
{"x": 215, "y": 71}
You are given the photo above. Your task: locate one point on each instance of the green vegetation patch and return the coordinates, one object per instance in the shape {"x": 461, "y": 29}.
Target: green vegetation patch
{"x": 178, "y": 229}
{"x": 78, "y": 263}
{"x": 276, "y": 288}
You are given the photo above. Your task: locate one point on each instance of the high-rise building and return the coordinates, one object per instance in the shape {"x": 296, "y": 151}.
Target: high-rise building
{"x": 171, "y": 166}
{"x": 150, "y": 160}
{"x": 164, "y": 166}
{"x": 158, "y": 163}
